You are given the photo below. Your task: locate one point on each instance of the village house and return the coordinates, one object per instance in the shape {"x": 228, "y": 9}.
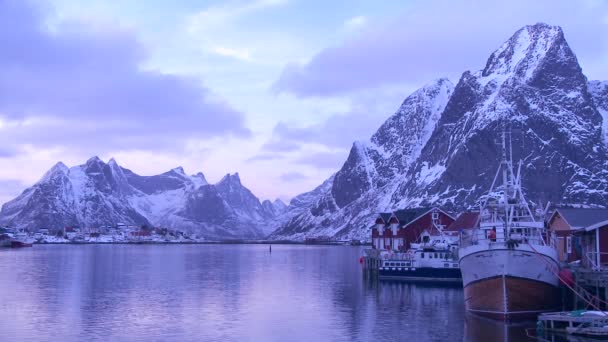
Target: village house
{"x": 466, "y": 220}
{"x": 397, "y": 230}
{"x": 571, "y": 227}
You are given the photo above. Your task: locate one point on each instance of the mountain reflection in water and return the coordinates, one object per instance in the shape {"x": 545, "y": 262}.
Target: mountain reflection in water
{"x": 222, "y": 292}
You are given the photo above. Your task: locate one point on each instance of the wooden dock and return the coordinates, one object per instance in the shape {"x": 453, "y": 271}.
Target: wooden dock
{"x": 592, "y": 288}
{"x": 371, "y": 262}
{"x": 581, "y": 323}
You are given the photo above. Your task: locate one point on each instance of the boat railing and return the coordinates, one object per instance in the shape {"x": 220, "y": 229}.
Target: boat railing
{"x": 530, "y": 235}
{"x": 596, "y": 261}
{"x": 396, "y": 256}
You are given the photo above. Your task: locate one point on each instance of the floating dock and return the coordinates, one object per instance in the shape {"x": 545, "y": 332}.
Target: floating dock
{"x": 581, "y": 323}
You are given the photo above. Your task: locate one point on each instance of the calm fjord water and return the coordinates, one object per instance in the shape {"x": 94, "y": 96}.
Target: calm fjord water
{"x": 221, "y": 293}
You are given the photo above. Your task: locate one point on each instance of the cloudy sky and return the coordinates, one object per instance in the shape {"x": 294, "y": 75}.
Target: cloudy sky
{"x": 274, "y": 89}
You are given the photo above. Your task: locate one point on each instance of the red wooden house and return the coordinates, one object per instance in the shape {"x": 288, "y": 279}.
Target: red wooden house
{"x": 466, "y": 220}
{"x": 397, "y": 230}
{"x": 570, "y": 226}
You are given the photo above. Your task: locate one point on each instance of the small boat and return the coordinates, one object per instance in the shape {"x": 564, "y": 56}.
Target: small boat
{"x": 21, "y": 240}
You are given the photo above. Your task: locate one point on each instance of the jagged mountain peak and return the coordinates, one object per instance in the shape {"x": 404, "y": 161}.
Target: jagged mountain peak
{"x": 177, "y": 172}
{"x": 231, "y": 179}
{"x": 94, "y": 160}
{"x": 278, "y": 203}
{"x": 524, "y": 51}
{"x": 419, "y": 114}
{"x": 94, "y": 165}
{"x": 199, "y": 179}
{"x": 95, "y": 194}
{"x": 58, "y": 169}
{"x": 440, "y": 147}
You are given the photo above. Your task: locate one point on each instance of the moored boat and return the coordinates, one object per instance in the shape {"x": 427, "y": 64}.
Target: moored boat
{"x": 22, "y": 239}
{"x": 432, "y": 258}
{"x": 509, "y": 263}
{"x": 425, "y": 264}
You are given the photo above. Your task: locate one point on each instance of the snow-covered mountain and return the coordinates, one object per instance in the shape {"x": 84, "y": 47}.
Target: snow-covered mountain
{"x": 97, "y": 194}
{"x": 440, "y": 147}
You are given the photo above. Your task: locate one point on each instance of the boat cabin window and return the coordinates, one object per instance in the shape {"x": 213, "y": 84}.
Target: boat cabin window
{"x": 426, "y": 239}
{"x": 436, "y": 255}
{"x": 422, "y": 255}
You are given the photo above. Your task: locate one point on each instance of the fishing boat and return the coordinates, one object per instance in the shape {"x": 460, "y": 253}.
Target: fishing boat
{"x": 21, "y": 239}
{"x": 432, "y": 258}
{"x": 509, "y": 263}
{"x": 435, "y": 261}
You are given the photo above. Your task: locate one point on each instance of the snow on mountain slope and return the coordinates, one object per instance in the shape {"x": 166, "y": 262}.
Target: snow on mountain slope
{"x": 368, "y": 173}
{"x": 441, "y": 148}
{"x": 599, "y": 91}
{"x": 96, "y": 194}
{"x": 542, "y": 95}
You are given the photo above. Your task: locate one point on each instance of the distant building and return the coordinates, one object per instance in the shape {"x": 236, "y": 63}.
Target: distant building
{"x": 397, "y": 230}
{"x": 141, "y": 233}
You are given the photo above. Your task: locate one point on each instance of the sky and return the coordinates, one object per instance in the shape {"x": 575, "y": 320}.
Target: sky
{"x": 276, "y": 90}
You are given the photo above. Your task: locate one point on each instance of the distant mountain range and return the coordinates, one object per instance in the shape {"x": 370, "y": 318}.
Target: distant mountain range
{"x": 98, "y": 193}
{"x": 440, "y": 147}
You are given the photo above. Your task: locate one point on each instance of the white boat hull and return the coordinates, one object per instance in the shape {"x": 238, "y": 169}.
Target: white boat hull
{"x": 509, "y": 284}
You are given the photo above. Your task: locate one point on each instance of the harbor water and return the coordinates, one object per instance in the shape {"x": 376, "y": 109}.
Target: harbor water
{"x": 222, "y": 293}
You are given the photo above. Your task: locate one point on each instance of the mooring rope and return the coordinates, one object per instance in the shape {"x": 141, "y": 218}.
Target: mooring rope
{"x": 568, "y": 285}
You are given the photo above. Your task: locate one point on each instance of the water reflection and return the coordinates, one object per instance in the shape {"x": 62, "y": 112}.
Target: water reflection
{"x": 481, "y": 329}
{"x": 222, "y": 292}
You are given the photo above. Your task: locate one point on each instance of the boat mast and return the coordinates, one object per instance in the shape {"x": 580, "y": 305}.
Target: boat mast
{"x": 506, "y": 183}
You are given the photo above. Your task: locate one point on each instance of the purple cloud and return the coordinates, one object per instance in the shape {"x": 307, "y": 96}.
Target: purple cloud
{"x": 7, "y": 151}
{"x": 265, "y": 157}
{"x": 292, "y": 176}
{"x": 324, "y": 160}
{"x": 84, "y": 83}
{"x": 280, "y": 145}
{"x": 10, "y": 188}
{"x": 440, "y": 38}
{"x": 339, "y": 130}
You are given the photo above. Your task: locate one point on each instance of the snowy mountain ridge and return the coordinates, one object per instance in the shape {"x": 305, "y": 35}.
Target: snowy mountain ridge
{"x": 96, "y": 194}
{"x": 440, "y": 147}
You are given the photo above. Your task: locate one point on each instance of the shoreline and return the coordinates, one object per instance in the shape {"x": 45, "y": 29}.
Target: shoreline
{"x": 228, "y": 242}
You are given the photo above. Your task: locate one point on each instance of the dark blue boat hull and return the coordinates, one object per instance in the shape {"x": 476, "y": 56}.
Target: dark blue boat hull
{"x": 423, "y": 274}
